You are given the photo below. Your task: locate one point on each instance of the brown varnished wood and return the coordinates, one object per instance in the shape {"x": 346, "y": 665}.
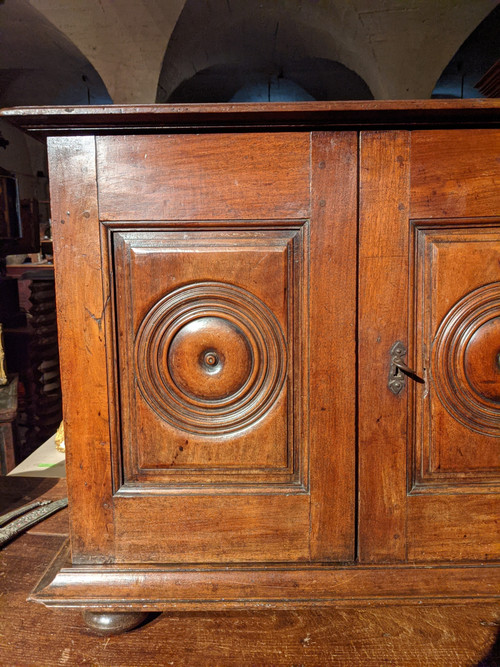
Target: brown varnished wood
{"x": 230, "y": 271}
{"x": 413, "y": 635}
{"x": 221, "y": 257}
{"x": 454, "y": 173}
{"x": 254, "y": 278}
{"x": 269, "y": 264}
{"x": 444, "y": 445}
{"x": 383, "y": 317}
{"x": 212, "y": 527}
{"x": 451, "y": 527}
{"x": 217, "y": 372}
{"x": 81, "y": 308}
{"x": 221, "y": 176}
{"x": 236, "y": 117}
{"x": 457, "y": 412}
{"x": 333, "y": 320}
{"x": 454, "y": 501}
{"x": 481, "y": 360}
{"x": 127, "y": 587}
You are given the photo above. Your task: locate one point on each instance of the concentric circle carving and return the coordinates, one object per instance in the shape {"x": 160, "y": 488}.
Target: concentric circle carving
{"x": 210, "y": 358}
{"x": 466, "y": 360}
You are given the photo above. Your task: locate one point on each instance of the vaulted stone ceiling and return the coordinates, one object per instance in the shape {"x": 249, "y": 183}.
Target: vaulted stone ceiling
{"x": 125, "y": 40}
{"x": 41, "y": 65}
{"x": 398, "y": 47}
{"x": 134, "y": 48}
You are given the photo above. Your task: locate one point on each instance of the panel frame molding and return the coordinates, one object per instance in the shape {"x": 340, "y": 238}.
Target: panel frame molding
{"x": 293, "y": 478}
{"x": 422, "y": 480}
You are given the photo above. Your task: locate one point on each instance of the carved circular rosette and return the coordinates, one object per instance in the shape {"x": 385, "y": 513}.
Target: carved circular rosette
{"x": 466, "y": 360}
{"x": 210, "y": 358}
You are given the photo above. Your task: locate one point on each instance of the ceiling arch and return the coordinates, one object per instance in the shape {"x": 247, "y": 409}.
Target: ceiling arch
{"x": 125, "y": 40}
{"x": 398, "y": 48}
{"x": 268, "y": 37}
{"x": 40, "y": 65}
{"x": 479, "y": 52}
{"x": 300, "y": 80}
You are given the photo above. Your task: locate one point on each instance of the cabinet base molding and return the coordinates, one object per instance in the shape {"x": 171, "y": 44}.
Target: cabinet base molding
{"x": 156, "y": 587}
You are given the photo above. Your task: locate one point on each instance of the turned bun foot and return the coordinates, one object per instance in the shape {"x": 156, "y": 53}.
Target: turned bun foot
{"x": 113, "y": 622}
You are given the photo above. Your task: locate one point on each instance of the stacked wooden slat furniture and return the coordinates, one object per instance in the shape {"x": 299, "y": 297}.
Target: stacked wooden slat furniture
{"x": 279, "y": 335}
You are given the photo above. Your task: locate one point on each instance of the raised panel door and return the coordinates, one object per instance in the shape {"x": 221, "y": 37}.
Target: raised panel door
{"x": 436, "y": 427}
{"x": 226, "y": 402}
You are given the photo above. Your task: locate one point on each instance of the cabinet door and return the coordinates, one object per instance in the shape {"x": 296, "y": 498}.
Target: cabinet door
{"x": 227, "y": 328}
{"x": 430, "y": 267}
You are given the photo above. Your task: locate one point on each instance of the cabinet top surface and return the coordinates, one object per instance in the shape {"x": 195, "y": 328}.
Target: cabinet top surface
{"x": 382, "y": 114}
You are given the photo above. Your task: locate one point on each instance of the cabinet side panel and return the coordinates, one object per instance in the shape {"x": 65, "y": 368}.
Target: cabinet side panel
{"x": 383, "y": 320}
{"x": 333, "y": 344}
{"x": 80, "y": 314}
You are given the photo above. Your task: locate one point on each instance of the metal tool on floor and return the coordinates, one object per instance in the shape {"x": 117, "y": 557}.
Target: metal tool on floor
{"x": 17, "y": 521}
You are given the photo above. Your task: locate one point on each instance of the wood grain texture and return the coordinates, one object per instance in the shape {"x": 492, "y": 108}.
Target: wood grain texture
{"x": 176, "y": 445}
{"x": 248, "y": 175}
{"x": 212, "y": 528}
{"x": 426, "y": 635}
{"x": 332, "y": 369}
{"x": 251, "y": 117}
{"x": 457, "y": 338}
{"x": 454, "y": 527}
{"x": 81, "y": 308}
{"x": 271, "y": 546}
{"x": 182, "y": 177}
{"x": 251, "y": 285}
{"x": 412, "y": 635}
{"x": 383, "y": 320}
{"x": 454, "y": 504}
{"x": 449, "y": 457}
{"x": 454, "y": 173}
{"x": 157, "y": 587}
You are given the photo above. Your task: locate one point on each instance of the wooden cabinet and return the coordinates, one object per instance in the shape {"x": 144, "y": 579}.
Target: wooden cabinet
{"x": 429, "y": 277}
{"x": 280, "y": 348}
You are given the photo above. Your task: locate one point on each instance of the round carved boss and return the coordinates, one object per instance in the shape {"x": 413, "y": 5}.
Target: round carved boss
{"x": 466, "y": 360}
{"x": 210, "y": 358}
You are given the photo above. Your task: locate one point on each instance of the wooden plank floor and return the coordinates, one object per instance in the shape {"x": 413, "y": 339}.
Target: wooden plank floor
{"x": 430, "y": 636}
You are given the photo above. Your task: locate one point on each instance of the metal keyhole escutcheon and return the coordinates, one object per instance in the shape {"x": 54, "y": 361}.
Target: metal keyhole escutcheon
{"x": 399, "y": 370}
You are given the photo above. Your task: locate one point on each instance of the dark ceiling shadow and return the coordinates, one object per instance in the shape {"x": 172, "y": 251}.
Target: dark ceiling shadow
{"x": 40, "y": 65}
{"x": 473, "y": 59}
{"x": 303, "y": 80}
{"x": 222, "y": 52}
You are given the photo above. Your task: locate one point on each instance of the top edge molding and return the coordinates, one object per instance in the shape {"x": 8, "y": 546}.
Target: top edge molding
{"x": 105, "y": 119}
